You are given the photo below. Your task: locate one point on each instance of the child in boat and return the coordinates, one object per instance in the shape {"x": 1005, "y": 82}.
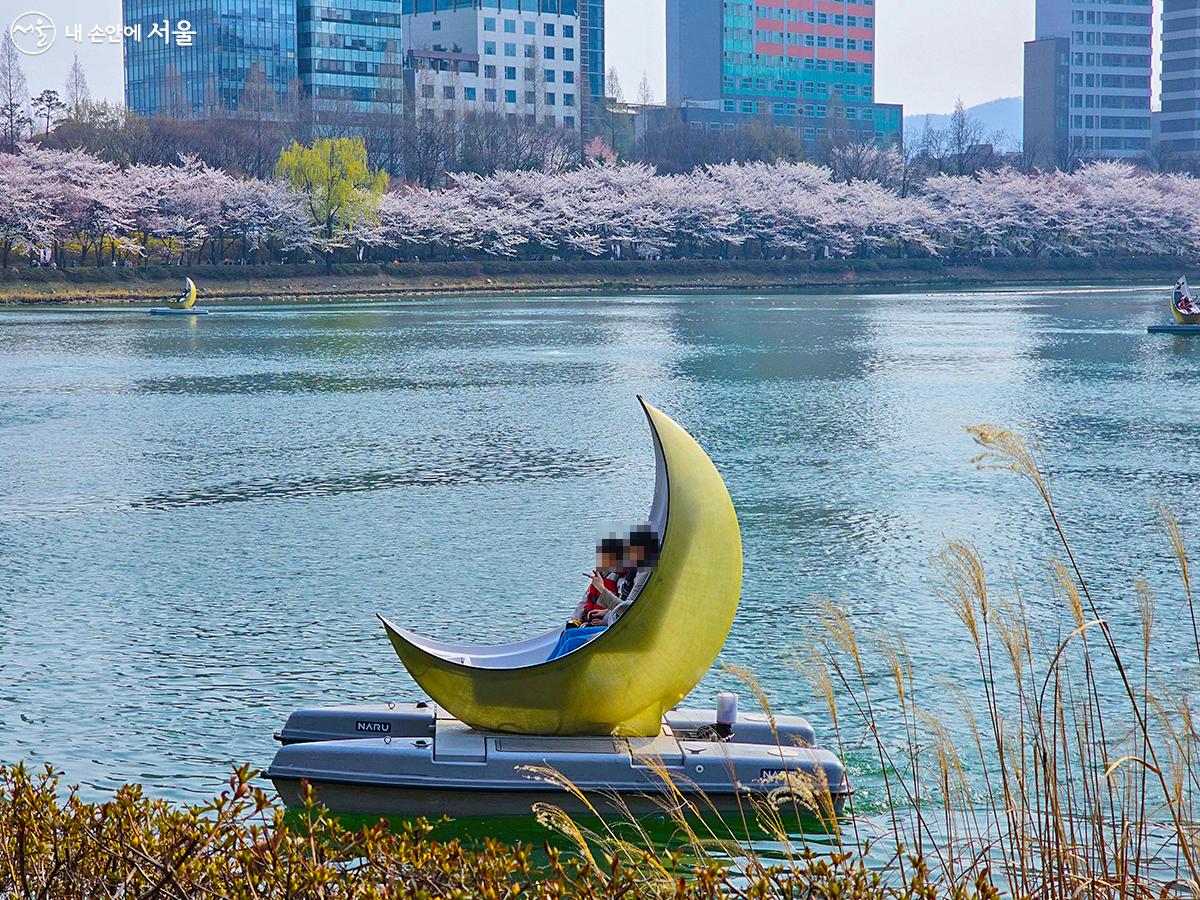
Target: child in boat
{"x": 603, "y": 583}
{"x": 600, "y": 597}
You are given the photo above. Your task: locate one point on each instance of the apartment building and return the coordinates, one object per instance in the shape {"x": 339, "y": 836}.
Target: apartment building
{"x": 511, "y": 57}
{"x": 1179, "y": 122}
{"x": 1087, "y": 81}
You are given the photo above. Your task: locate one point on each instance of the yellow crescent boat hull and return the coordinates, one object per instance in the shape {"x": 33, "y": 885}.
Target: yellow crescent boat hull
{"x": 189, "y": 297}
{"x": 625, "y": 679}
{"x": 1183, "y": 318}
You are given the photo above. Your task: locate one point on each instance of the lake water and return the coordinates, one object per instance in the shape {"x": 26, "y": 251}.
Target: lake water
{"x": 200, "y": 518}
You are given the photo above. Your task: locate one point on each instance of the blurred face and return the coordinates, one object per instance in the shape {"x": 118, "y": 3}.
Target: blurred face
{"x": 606, "y": 560}
{"x": 636, "y": 554}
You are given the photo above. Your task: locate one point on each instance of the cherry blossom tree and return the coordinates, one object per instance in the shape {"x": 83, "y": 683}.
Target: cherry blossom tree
{"x": 28, "y": 218}
{"x": 92, "y": 200}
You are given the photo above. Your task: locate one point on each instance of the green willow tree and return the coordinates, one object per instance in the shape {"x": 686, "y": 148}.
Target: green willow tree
{"x": 341, "y": 192}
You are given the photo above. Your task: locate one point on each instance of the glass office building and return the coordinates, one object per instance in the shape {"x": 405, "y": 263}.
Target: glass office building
{"x": 167, "y": 77}
{"x": 592, "y": 66}
{"x": 350, "y": 54}
{"x": 804, "y": 64}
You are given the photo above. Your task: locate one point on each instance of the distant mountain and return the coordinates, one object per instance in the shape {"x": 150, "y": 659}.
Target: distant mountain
{"x": 997, "y": 115}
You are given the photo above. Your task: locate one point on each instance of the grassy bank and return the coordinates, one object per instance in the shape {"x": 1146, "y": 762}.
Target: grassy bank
{"x": 153, "y": 283}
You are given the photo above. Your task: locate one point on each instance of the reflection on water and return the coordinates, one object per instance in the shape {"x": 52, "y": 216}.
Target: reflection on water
{"x": 497, "y": 463}
{"x": 197, "y": 524}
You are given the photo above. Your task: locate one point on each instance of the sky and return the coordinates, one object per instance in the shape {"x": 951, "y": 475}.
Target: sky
{"x": 930, "y": 52}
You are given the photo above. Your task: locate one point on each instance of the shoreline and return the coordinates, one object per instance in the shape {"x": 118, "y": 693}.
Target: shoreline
{"x": 448, "y": 279}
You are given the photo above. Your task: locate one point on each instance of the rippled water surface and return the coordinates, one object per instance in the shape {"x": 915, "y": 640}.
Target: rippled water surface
{"x": 199, "y": 519}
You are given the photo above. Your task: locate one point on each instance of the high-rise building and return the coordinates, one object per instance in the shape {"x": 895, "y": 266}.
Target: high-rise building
{"x": 513, "y": 57}
{"x": 803, "y": 64}
{"x": 592, "y": 67}
{"x": 200, "y": 58}
{"x": 349, "y": 56}
{"x": 1180, "y": 118}
{"x": 1096, "y": 55}
{"x": 1047, "y": 115}
{"x": 333, "y": 55}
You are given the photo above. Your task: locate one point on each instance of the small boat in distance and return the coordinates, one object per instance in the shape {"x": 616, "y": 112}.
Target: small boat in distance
{"x": 184, "y": 305}
{"x": 1183, "y": 309}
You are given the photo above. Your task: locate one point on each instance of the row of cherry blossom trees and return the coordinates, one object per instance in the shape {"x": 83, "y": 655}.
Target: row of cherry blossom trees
{"x": 75, "y": 209}
{"x": 70, "y": 204}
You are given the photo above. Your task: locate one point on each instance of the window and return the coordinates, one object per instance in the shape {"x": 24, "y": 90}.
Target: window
{"x": 510, "y": 96}
{"x": 548, "y": 52}
{"x": 531, "y": 74}
{"x": 530, "y": 98}
{"x": 568, "y": 121}
{"x": 469, "y": 94}
{"x": 427, "y": 91}
{"x": 510, "y": 26}
{"x": 568, "y": 76}
{"x": 568, "y": 54}
{"x": 550, "y": 76}
{"x": 550, "y": 98}
{"x": 489, "y": 71}
{"x": 530, "y": 51}
{"x": 489, "y": 48}
{"x": 448, "y": 92}
{"x": 568, "y": 31}
{"x": 548, "y": 29}
{"x": 510, "y": 73}
{"x": 529, "y": 29}
{"x": 568, "y": 99}
{"x": 489, "y": 94}
{"x": 510, "y": 49}
{"x": 437, "y": 24}
{"x": 489, "y": 24}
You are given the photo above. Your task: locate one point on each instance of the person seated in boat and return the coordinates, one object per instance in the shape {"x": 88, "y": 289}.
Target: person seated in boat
{"x": 1182, "y": 298}
{"x": 599, "y": 598}
{"x": 610, "y": 594}
{"x": 603, "y": 583}
{"x": 641, "y": 556}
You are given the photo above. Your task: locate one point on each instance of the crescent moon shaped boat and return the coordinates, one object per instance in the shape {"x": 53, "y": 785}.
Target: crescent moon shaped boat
{"x": 184, "y": 306}
{"x": 603, "y": 715}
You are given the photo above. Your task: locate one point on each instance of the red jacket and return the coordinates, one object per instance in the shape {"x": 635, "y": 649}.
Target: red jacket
{"x": 591, "y": 600}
